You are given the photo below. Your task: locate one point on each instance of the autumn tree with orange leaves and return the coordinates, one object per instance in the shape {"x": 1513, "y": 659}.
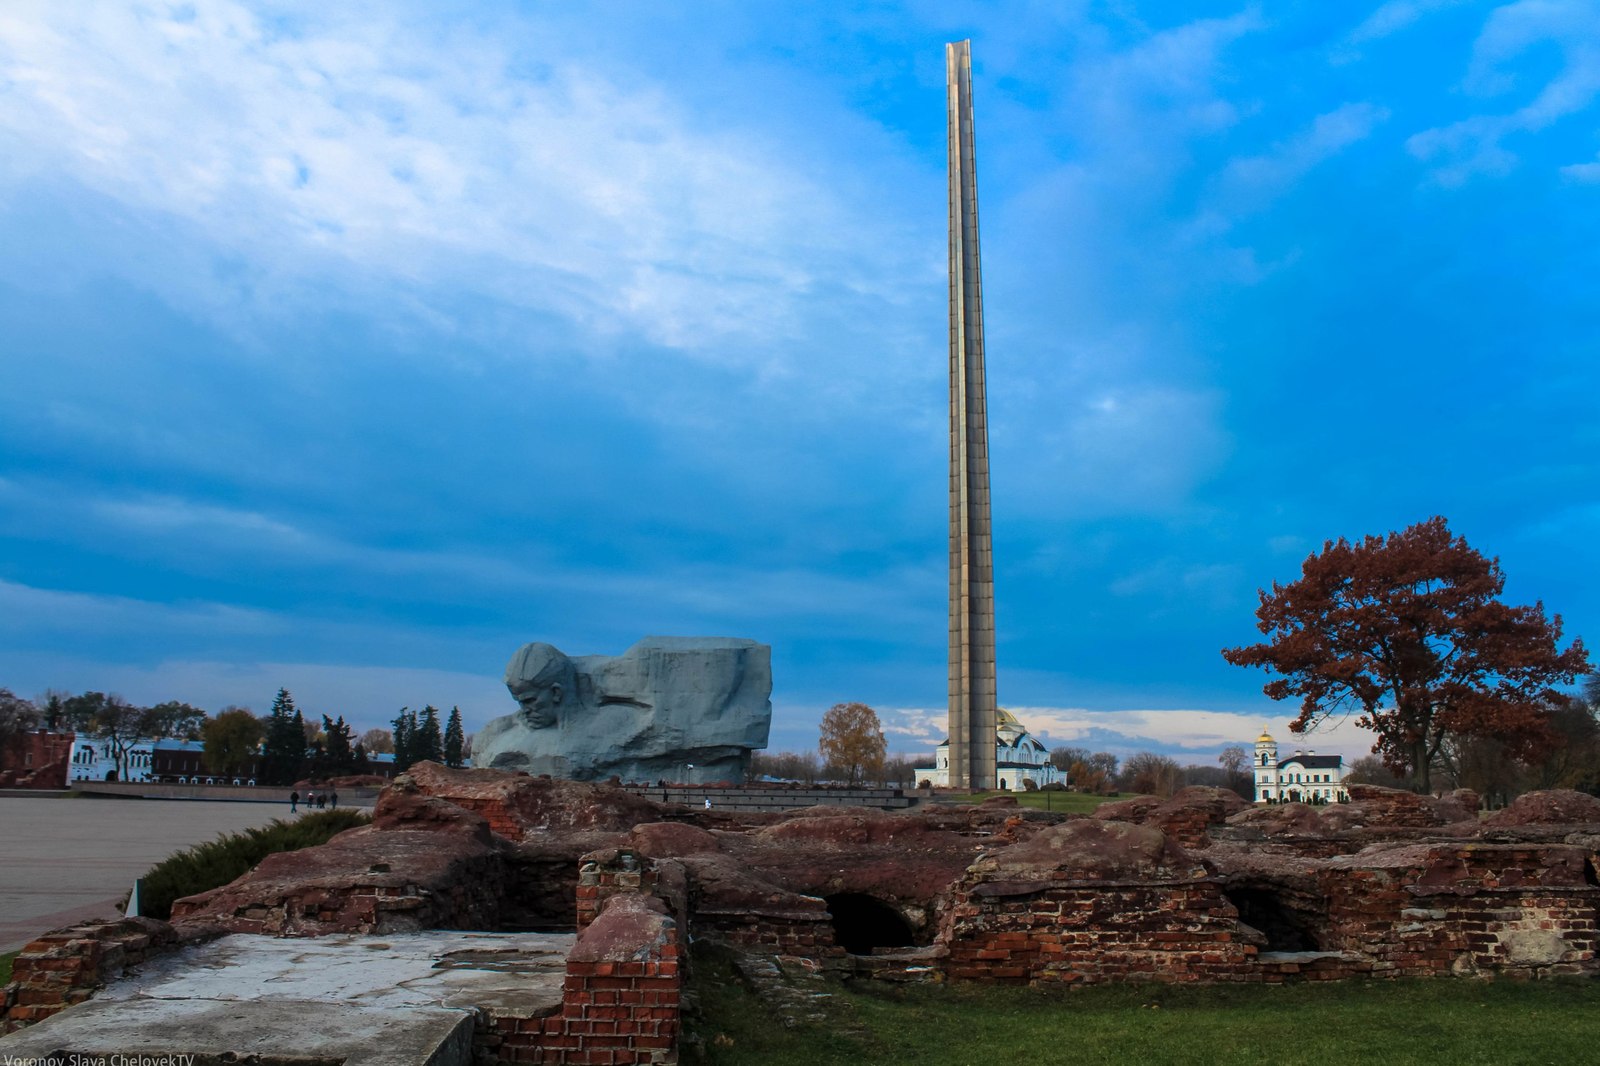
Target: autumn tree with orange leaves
{"x": 1408, "y": 631}
{"x": 852, "y": 741}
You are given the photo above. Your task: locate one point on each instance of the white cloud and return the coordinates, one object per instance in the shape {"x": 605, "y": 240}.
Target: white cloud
{"x": 166, "y": 516}
{"x": 1587, "y": 173}
{"x": 1249, "y": 185}
{"x": 1287, "y": 544}
{"x": 1184, "y": 734}
{"x": 1473, "y": 146}
{"x": 34, "y": 613}
{"x": 1165, "y": 89}
{"x": 1132, "y": 449}
{"x": 1395, "y": 16}
{"x": 313, "y": 143}
{"x": 1252, "y": 182}
{"x": 1178, "y": 586}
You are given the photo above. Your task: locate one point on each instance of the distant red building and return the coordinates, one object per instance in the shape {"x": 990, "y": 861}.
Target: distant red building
{"x": 35, "y": 760}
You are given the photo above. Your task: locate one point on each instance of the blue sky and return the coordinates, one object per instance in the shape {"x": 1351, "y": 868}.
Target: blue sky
{"x": 348, "y": 346}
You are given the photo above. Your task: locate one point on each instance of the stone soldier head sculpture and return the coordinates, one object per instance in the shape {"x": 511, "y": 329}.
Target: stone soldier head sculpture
{"x": 541, "y": 679}
{"x": 684, "y": 708}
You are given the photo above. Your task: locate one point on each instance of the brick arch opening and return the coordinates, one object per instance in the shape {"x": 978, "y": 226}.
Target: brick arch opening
{"x": 862, "y": 923}
{"x": 1284, "y": 928}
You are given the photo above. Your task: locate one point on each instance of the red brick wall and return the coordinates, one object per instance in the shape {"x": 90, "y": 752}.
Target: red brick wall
{"x": 1468, "y": 909}
{"x": 35, "y": 760}
{"x": 67, "y": 966}
{"x": 501, "y": 821}
{"x": 621, "y": 998}
{"x": 604, "y": 874}
{"x": 806, "y": 935}
{"x": 1465, "y": 909}
{"x": 1093, "y": 933}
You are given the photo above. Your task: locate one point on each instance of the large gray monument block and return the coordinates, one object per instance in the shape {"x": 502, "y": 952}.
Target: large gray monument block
{"x": 972, "y": 655}
{"x": 686, "y": 709}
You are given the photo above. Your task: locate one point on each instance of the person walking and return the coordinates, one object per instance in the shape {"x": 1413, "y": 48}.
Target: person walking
{"x": 294, "y": 800}
{"x": 333, "y": 800}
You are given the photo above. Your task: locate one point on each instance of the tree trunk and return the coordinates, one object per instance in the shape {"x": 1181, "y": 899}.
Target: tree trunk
{"x": 1420, "y": 766}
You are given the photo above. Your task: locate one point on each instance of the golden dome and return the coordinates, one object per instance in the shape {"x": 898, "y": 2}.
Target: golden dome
{"x": 1265, "y": 738}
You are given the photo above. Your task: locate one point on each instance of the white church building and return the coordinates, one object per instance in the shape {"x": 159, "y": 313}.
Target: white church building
{"x": 1304, "y": 777}
{"x": 1019, "y": 758}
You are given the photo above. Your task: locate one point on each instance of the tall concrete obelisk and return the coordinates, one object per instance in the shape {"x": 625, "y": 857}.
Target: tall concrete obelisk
{"x": 972, "y": 680}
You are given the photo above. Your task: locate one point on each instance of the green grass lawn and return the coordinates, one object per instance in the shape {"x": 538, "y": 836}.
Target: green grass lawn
{"x": 1071, "y": 802}
{"x": 1392, "y": 1023}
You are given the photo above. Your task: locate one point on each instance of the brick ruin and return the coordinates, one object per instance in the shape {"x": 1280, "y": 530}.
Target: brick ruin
{"x": 1199, "y": 888}
{"x": 37, "y": 759}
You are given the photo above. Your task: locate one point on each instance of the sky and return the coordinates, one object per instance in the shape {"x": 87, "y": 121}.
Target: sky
{"x": 346, "y": 347}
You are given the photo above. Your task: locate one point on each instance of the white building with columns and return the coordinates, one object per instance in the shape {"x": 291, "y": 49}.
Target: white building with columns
{"x": 1304, "y": 777}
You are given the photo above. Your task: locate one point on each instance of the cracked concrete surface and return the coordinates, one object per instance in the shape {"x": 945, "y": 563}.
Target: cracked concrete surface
{"x": 362, "y": 1001}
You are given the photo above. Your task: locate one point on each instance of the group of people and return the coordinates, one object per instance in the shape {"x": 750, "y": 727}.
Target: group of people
{"x": 314, "y": 800}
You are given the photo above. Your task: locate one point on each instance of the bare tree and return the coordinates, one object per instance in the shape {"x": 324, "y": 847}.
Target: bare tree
{"x": 1151, "y": 774}
{"x": 1236, "y": 761}
{"x": 17, "y": 715}
{"x": 1371, "y": 770}
{"x": 378, "y": 741}
{"x": 799, "y": 767}
{"x": 1209, "y": 776}
{"x": 1063, "y": 758}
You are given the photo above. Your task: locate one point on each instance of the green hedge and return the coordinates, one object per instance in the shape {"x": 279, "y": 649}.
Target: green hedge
{"x": 212, "y": 865}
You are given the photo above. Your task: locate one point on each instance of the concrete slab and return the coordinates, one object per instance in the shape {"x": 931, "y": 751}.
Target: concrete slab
{"x": 277, "y": 1034}
{"x": 362, "y": 1001}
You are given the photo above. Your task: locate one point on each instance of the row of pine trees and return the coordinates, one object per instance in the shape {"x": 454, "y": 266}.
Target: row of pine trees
{"x": 286, "y": 757}
{"x": 418, "y": 739}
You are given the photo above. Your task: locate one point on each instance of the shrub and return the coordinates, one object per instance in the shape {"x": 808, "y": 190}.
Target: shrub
{"x": 230, "y": 856}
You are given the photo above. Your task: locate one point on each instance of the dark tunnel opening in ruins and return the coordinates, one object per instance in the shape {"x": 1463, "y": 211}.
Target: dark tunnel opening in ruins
{"x": 1265, "y": 910}
{"x": 862, "y": 924}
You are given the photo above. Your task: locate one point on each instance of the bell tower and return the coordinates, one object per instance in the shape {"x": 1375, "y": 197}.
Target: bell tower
{"x": 1266, "y": 767}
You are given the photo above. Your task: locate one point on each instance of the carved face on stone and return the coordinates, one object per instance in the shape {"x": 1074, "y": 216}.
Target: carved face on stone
{"x": 539, "y": 703}
{"x": 541, "y": 679}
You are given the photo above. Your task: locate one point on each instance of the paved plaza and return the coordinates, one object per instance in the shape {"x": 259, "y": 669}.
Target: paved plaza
{"x": 65, "y": 860}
